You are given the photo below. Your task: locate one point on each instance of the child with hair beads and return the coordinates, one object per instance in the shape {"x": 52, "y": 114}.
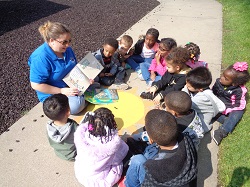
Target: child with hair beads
{"x": 173, "y": 79}
{"x": 100, "y": 150}
{"x": 61, "y": 128}
{"x": 144, "y": 50}
{"x": 204, "y": 102}
{"x": 231, "y": 89}
{"x": 154, "y": 71}
{"x": 194, "y": 51}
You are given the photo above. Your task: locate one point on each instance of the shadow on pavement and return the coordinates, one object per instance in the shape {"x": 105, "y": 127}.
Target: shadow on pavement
{"x": 20, "y": 13}
{"x": 204, "y": 159}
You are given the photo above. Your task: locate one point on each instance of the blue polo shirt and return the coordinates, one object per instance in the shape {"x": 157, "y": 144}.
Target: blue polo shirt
{"x": 46, "y": 67}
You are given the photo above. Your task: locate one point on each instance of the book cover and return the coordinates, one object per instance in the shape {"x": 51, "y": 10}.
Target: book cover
{"x": 88, "y": 68}
{"x": 101, "y": 96}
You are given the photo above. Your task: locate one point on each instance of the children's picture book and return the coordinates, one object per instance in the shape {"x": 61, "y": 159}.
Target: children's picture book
{"x": 101, "y": 96}
{"x": 88, "y": 68}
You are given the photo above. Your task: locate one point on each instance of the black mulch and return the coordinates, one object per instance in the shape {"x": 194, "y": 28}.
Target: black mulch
{"x": 90, "y": 22}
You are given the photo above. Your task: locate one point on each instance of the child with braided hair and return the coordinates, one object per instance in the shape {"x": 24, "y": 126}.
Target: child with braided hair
{"x": 231, "y": 90}
{"x": 194, "y": 52}
{"x": 100, "y": 150}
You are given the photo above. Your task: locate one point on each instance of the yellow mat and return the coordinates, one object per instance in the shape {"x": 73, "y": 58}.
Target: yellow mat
{"x": 129, "y": 111}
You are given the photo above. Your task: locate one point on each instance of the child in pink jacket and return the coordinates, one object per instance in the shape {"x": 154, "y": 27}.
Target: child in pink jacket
{"x": 100, "y": 150}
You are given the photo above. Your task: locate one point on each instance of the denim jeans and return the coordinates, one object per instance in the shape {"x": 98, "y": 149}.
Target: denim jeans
{"x": 146, "y": 73}
{"x": 230, "y": 121}
{"x": 136, "y": 172}
{"x": 76, "y": 104}
{"x": 135, "y": 60}
{"x": 120, "y": 75}
{"x": 107, "y": 80}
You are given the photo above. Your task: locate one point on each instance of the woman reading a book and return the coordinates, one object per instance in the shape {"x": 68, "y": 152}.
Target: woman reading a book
{"x": 51, "y": 62}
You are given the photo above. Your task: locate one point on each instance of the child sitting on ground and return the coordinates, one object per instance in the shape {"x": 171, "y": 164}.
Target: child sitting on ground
{"x": 194, "y": 52}
{"x": 170, "y": 159}
{"x": 144, "y": 50}
{"x": 121, "y": 55}
{"x": 154, "y": 71}
{"x": 123, "y": 52}
{"x": 173, "y": 79}
{"x": 179, "y": 104}
{"x": 61, "y": 128}
{"x": 110, "y": 74}
{"x": 204, "y": 102}
{"x": 231, "y": 89}
{"x": 100, "y": 150}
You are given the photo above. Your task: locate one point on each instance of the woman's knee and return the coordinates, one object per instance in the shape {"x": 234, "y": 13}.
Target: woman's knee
{"x": 76, "y": 104}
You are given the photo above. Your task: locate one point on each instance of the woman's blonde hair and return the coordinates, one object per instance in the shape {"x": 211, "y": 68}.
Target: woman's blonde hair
{"x": 52, "y": 30}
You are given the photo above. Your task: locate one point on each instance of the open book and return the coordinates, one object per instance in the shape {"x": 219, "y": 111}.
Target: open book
{"x": 88, "y": 68}
{"x": 101, "y": 96}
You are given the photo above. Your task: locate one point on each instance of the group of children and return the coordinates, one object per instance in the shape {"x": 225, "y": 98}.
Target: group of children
{"x": 165, "y": 154}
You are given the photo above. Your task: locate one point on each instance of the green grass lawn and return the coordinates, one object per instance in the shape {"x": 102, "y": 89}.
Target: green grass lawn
{"x": 234, "y": 153}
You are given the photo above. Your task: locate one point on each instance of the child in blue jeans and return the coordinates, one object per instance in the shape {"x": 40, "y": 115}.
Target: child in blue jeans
{"x": 105, "y": 57}
{"x": 144, "y": 50}
{"x": 170, "y": 159}
{"x": 231, "y": 90}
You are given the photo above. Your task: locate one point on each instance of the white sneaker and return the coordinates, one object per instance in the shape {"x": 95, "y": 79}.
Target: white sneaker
{"x": 142, "y": 136}
{"x": 149, "y": 84}
{"x": 119, "y": 86}
{"x": 140, "y": 77}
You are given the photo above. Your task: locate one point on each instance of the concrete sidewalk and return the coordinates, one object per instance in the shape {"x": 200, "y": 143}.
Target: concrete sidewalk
{"x": 26, "y": 158}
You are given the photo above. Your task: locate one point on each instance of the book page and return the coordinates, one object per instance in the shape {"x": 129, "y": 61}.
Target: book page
{"x": 75, "y": 78}
{"x": 90, "y": 66}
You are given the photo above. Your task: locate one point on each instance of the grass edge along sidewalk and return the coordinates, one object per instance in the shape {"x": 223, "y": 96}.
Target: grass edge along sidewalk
{"x": 234, "y": 152}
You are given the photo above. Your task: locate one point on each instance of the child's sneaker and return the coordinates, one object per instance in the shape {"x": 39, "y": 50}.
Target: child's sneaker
{"x": 119, "y": 86}
{"x": 218, "y": 135}
{"x": 147, "y": 95}
{"x": 149, "y": 83}
{"x": 140, "y": 77}
{"x": 142, "y": 136}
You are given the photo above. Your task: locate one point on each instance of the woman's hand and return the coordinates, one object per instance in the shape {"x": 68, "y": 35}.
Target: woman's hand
{"x": 91, "y": 81}
{"x": 70, "y": 91}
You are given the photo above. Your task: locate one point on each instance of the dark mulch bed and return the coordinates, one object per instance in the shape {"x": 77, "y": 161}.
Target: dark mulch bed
{"x": 90, "y": 22}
